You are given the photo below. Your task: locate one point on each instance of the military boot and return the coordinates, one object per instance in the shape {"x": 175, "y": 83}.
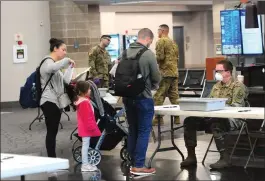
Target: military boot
{"x": 223, "y": 162}
{"x": 176, "y": 120}
{"x": 191, "y": 159}
{"x": 155, "y": 121}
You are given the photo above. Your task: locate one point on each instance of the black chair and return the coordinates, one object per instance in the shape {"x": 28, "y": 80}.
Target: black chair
{"x": 257, "y": 135}
{"x": 207, "y": 88}
{"x": 195, "y": 79}
{"x": 182, "y": 77}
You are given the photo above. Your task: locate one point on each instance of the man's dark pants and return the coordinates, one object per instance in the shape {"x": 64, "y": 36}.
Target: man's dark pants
{"x": 139, "y": 114}
{"x": 217, "y": 126}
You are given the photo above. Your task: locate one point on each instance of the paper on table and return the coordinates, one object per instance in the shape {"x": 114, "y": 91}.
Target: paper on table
{"x": 113, "y": 70}
{"x": 81, "y": 74}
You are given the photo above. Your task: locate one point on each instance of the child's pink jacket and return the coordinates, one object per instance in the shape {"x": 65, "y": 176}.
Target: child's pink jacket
{"x": 86, "y": 122}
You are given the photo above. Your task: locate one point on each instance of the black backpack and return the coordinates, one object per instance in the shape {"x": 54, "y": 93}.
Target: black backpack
{"x": 128, "y": 79}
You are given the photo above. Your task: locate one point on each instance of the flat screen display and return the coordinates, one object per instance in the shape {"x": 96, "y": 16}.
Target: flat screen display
{"x": 251, "y": 37}
{"x": 129, "y": 39}
{"x": 231, "y": 32}
{"x": 114, "y": 47}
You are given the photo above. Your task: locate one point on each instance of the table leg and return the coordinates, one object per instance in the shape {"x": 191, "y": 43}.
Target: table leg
{"x": 22, "y": 178}
{"x": 159, "y": 141}
{"x": 172, "y": 137}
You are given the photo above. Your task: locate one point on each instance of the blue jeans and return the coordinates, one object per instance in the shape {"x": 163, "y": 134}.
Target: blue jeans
{"x": 140, "y": 113}
{"x": 85, "y": 147}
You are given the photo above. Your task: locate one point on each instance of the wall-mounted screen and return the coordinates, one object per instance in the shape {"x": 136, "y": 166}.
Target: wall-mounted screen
{"x": 114, "y": 47}
{"x": 128, "y": 39}
{"x": 251, "y": 37}
{"x": 231, "y": 32}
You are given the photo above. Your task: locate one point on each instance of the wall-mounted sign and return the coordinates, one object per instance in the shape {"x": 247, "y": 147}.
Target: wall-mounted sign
{"x": 218, "y": 49}
{"x": 20, "y": 53}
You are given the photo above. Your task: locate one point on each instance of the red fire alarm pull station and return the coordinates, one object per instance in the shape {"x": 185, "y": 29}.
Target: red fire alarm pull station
{"x": 18, "y": 38}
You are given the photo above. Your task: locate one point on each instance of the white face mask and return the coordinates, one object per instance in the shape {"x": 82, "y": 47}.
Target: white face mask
{"x": 218, "y": 77}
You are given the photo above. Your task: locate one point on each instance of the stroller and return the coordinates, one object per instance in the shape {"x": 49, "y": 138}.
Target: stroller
{"x": 113, "y": 130}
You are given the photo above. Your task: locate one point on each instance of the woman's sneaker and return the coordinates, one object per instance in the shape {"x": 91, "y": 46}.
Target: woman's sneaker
{"x": 88, "y": 168}
{"x": 142, "y": 171}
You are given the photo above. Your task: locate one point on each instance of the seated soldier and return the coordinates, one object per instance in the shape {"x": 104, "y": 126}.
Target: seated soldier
{"x": 226, "y": 87}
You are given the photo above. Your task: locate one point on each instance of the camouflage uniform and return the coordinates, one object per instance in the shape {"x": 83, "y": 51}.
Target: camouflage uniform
{"x": 99, "y": 60}
{"x": 167, "y": 59}
{"x": 236, "y": 92}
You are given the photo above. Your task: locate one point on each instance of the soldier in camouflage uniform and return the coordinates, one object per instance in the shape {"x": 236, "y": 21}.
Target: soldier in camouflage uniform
{"x": 236, "y": 93}
{"x": 167, "y": 59}
{"x": 100, "y": 61}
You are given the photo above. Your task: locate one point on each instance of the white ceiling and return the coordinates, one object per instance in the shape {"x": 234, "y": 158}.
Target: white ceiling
{"x": 146, "y": 2}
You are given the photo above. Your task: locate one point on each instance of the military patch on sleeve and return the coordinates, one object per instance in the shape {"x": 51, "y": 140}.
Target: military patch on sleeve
{"x": 240, "y": 94}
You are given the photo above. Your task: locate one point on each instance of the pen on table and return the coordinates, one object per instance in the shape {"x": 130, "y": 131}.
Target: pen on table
{"x": 7, "y": 158}
{"x": 170, "y": 106}
{"x": 243, "y": 110}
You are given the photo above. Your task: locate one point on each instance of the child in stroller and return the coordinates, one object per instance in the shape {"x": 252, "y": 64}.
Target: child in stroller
{"x": 109, "y": 123}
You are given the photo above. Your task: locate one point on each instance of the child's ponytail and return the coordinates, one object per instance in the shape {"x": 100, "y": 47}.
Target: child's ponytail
{"x": 76, "y": 93}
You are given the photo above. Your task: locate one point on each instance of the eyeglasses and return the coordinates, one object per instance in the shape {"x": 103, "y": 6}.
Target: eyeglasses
{"x": 220, "y": 71}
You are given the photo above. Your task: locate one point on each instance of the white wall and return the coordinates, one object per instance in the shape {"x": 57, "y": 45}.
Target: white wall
{"x": 198, "y": 36}
{"x": 198, "y": 26}
{"x": 24, "y": 17}
{"x": 112, "y": 22}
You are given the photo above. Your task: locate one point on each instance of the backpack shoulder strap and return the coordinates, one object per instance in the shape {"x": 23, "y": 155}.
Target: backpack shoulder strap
{"x": 138, "y": 56}
{"x": 140, "y": 53}
{"x": 49, "y": 77}
{"x": 43, "y": 61}
{"x": 124, "y": 54}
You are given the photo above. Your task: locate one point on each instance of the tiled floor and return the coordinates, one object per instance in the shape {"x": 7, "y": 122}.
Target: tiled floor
{"x": 111, "y": 168}
{"x": 16, "y": 138}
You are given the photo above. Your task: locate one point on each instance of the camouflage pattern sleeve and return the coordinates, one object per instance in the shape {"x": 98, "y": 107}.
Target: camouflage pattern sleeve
{"x": 92, "y": 56}
{"x": 109, "y": 59}
{"x": 177, "y": 51}
{"x": 160, "y": 51}
{"x": 239, "y": 95}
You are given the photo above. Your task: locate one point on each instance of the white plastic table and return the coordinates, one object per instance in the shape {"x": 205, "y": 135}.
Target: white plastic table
{"x": 174, "y": 110}
{"x": 228, "y": 112}
{"x": 13, "y": 165}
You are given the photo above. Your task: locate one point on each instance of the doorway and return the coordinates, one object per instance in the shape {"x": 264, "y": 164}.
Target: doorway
{"x": 178, "y": 36}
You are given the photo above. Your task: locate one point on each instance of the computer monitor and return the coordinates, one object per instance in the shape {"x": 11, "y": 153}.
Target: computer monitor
{"x": 252, "y": 39}
{"x": 128, "y": 39}
{"x": 231, "y": 32}
{"x": 114, "y": 47}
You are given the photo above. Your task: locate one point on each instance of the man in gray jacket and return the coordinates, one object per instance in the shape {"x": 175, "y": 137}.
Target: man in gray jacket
{"x": 140, "y": 110}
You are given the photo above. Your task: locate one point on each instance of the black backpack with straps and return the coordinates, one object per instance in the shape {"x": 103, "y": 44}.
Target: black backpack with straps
{"x": 129, "y": 81}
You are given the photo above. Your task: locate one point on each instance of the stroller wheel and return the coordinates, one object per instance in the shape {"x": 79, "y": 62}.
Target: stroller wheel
{"x": 94, "y": 157}
{"x": 77, "y": 154}
{"x": 124, "y": 154}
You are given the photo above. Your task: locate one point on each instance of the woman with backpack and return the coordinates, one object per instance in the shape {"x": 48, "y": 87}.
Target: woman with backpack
{"x": 53, "y": 96}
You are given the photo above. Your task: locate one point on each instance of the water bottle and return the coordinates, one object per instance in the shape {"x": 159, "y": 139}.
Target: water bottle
{"x": 34, "y": 92}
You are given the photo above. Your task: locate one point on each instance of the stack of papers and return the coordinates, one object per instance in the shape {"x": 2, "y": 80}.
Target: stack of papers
{"x": 82, "y": 75}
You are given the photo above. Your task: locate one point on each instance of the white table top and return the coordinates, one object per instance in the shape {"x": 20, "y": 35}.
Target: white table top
{"x": 24, "y": 164}
{"x": 228, "y": 112}
{"x": 110, "y": 99}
